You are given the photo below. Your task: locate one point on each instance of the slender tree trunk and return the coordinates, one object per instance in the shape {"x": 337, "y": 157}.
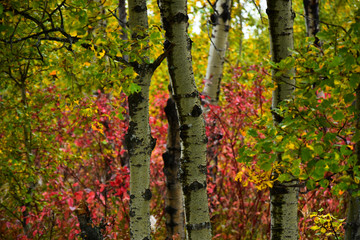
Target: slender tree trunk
{"x": 311, "y": 8}
{"x": 138, "y": 138}
{"x": 174, "y": 210}
{"x": 241, "y": 35}
{"x": 192, "y": 128}
{"x": 122, "y": 19}
{"x": 353, "y": 218}
{"x": 218, "y": 45}
{"x": 88, "y": 229}
{"x": 28, "y": 149}
{"x": 283, "y": 196}
{"x": 214, "y": 72}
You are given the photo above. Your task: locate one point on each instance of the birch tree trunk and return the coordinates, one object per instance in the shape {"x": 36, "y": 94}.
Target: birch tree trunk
{"x": 283, "y": 196}
{"x": 174, "y": 210}
{"x": 138, "y": 138}
{"x": 352, "y": 228}
{"x": 218, "y": 45}
{"x": 311, "y": 8}
{"x": 192, "y": 127}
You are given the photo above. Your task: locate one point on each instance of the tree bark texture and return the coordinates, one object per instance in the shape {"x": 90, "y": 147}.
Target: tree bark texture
{"x": 192, "y": 126}
{"x": 352, "y": 228}
{"x": 218, "y": 46}
{"x": 174, "y": 210}
{"x": 312, "y": 20}
{"x": 283, "y": 197}
{"x": 88, "y": 229}
{"x": 122, "y": 19}
{"x": 138, "y": 138}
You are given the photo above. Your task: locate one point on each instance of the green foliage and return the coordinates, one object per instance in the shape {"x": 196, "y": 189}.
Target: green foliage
{"x": 318, "y": 127}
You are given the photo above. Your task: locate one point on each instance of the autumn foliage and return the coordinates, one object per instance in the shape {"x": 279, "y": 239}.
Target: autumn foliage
{"x": 64, "y": 118}
{"x": 84, "y": 162}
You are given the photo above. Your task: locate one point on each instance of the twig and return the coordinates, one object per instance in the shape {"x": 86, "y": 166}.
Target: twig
{"x": 258, "y": 8}
{"x": 161, "y": 58}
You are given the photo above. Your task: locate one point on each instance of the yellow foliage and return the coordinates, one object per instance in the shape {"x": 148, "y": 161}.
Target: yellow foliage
{"x": 290, "y": 146}
{"x": 326, "y": 224}
{"x": 262, "y": 179}
{"x": 101, "y": 54}
{"x": 357, "y": 69}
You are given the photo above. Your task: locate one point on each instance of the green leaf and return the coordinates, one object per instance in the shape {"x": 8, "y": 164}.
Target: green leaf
{"x": 318, "y": 149}
{"x": 324, "y": 183}
{"x": 345, "y": 150}
{"x": 334, "y": 167}
{"x": 323, "y": 35}
{"x": 319, "y": 171}
{"x": 335, "y": 62}
{"x": 349, "y": 61}
{"x": 120, "y": 116}
{"x": 266, "y": 166}
{"x": 155, "y": 35}
{"x": 349, "y": 98}
{"x": 354, "y": 80}
{"x": 305, "y": 154}
{"x": 273, "y": 64}
{"x": 134, "y": 88}
{"x": 83, "y": 17}
{"x": 338, "y": 116}
{"x": 268, "y": 146}
{"x": 310, "y": 184}
{"x": 329, "y": 137}
{"x": 356, "y": 137}
{"x": 284, "y": 177}
{"x": 252, "y": 132}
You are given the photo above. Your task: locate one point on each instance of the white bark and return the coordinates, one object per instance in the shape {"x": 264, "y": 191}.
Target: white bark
{"x": 218, "y": 46}
{"x": 283, "y": 196}
{"x": 138, "y": 139}
{"x": 192, "y": 127}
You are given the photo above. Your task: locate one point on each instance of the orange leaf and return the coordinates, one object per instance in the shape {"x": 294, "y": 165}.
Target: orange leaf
{"x": 53, "y": 73}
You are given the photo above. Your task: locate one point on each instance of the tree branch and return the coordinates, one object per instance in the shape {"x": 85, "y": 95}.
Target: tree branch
{"x": 161, "y": 58}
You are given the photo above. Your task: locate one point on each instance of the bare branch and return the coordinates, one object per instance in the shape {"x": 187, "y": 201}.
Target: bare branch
{"x": 161, "y": 58}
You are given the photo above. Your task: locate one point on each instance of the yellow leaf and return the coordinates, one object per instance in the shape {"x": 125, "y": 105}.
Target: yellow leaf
{"x": 291, "y": 146}
{"x": 101, "y": 54}
{"x": 357, "y": 69}
{"x": 309, "y": 147}
{"x": 279, "y": 138}
{"x": 314, "y": 228}
{"x": 269, "y": 183}
{"x": 87, "y": 64}
{"x": 239, "y": 176}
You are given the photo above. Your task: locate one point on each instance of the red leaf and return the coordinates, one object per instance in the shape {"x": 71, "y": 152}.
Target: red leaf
{"x": 91, "y": 197}
{"x": 70, "y": 201}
